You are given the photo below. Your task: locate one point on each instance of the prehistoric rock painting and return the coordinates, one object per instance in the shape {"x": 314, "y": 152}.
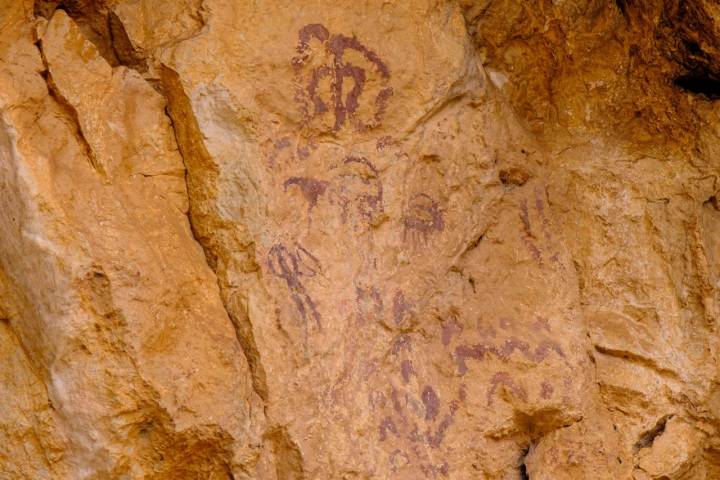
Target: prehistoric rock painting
{"x": 537, "y": 243}
{"x": 527, "y": 235}
{"x": 406, "y": 370}
{"x": 413, "y": 415}
{"x": 357, "y": 189}
{"x": 500, "y": 342}
{"x": 384, "y": 143}
{"x": 330, "y": 85}
{"x": 287, "y": 149}
{"x": 422, "y": 218}
{"x": 450, "y": 328}
{"x": 369, "y": 304}
{"x": 415, "y": 423}
{"x": 505, "y": 380}
{"x": 401, "y": 314}
{"x": 292, "y": 266}
{"x": 546, "y": 390}
{"x": 276, "y": 148}
{"x": 373, "y": 307}
{"x": 311, "y": 189}
{"x": 354, "y": 186}
{"x": 403, "y": 310}
{"x": 503, "y": 352}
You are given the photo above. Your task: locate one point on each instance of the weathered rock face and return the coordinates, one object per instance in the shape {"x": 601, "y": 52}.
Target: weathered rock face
{"x": 359, "y": 239}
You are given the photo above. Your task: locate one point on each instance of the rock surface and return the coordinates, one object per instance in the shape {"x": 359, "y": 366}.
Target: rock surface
{"x": 359, "y": 239}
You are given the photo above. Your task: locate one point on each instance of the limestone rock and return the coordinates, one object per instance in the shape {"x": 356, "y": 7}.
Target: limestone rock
{"x": 111, "y": 296}
{"x": 359, "y": 239}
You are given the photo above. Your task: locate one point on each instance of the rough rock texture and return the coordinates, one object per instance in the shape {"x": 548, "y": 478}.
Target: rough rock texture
{"x": 359, "y": 239}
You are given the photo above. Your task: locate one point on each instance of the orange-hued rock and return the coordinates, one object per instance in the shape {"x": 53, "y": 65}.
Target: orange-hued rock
{"x": 359, "y": 239}
{"x": 111, "y": 296}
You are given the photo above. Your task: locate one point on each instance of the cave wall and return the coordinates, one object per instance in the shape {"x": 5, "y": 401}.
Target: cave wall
{"x": 359, "y": 239}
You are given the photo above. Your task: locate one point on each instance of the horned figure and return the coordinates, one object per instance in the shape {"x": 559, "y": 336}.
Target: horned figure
{"x": 329, "y": 83}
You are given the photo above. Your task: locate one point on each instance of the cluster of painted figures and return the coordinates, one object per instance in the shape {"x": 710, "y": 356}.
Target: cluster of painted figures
{"x": 332, "y": 95}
